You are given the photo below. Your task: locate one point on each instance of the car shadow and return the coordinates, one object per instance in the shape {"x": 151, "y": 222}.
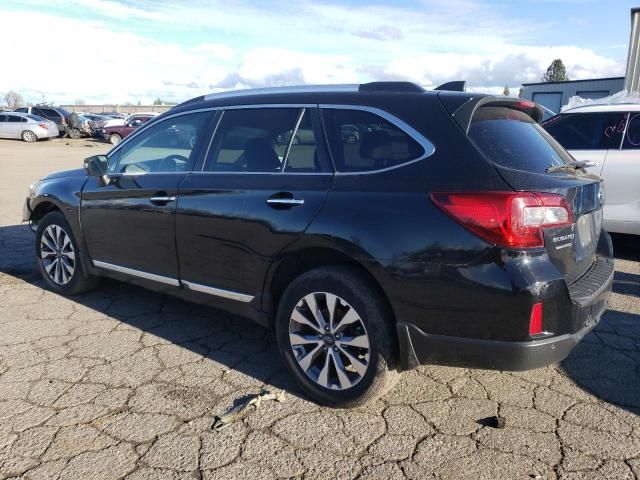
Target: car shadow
{"x": 234, "y": 343}
{"x": 606, "y": 363}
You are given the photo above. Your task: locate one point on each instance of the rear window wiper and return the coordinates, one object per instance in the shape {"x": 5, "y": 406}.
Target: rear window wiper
{"x": 571, "y": 166}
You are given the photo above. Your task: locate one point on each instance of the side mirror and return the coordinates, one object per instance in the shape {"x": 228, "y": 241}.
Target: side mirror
{"x": 96, "y": 166}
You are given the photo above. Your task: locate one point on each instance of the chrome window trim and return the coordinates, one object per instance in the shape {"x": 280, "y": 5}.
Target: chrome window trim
{"x": 218, "y": 292}
{"x": 428, "y": 147}
{"x": 137, "y": 273}
{"x": 293, "y": 89}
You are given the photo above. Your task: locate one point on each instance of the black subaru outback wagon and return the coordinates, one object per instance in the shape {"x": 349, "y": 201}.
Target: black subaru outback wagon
{"x": 408, "y": 227}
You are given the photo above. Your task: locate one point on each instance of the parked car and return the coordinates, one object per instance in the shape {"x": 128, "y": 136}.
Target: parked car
{"x": 439, "y": 236}
{"x": 115, "y": 133}
{"x": 29, "y": 128}
{"x": 58, "y": 115}
{"x": 124, "y": 121}
{"x": 608, "y": 135}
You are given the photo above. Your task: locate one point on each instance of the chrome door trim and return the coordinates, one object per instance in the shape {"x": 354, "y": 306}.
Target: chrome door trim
{"x": 137, "y": 273}
{"x": 218, "y": 292}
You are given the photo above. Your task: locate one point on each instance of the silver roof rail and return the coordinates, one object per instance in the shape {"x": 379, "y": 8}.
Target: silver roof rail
{"x": 295, "y": 89}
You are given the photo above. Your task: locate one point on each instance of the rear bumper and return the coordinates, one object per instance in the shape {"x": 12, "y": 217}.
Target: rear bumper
{"x": 422, "y": 348}
{"x": 589, "y": 301}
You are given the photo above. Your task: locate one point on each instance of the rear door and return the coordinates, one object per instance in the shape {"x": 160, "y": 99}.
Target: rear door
{"x": 256, "y": 193}
{"x": 3, "y": 122}
{"x": 588, "y": 136}
{"x": 522, "y": 151}
{"x": 128, "y": 222}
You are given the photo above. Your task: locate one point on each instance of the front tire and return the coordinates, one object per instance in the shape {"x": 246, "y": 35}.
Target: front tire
{"x": 114, "y": 139}
{"x": 29, "y": 136}
{"x": 75, "y": 133}
{"x": 58, "y": 257}
{"x": 336, "y": 337}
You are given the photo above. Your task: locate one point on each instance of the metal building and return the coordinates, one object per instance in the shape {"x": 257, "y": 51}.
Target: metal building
{"x": 555, "y": 95}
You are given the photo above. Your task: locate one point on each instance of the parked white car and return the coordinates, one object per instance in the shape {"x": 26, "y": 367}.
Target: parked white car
{"x": 125, "y": 121}
{"x": 26, "y": 126}
{"x": 609, "y": 135}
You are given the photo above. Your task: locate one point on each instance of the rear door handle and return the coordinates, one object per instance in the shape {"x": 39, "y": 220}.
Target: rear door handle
{"x": 285, "y": 201}
{"x": 162, "y": 199}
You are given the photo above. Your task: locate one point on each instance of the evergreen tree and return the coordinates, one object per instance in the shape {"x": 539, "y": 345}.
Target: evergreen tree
{"x": 556, "y": 72}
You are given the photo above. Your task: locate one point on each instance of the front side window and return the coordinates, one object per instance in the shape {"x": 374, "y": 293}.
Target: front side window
{"x": 3, "y": 118}
{"x": 252, "y": 140}
{"x": 362, "y": 141}
{"x": 168, "y": 146}
{"x": 587, "y": 131}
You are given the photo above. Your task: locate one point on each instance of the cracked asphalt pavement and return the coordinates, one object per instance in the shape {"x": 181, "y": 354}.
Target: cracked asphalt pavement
{"x": 125, "y": 383}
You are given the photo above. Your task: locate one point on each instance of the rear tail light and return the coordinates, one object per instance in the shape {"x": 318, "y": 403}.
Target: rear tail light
{"x": 507, "y": 219}
{"x": 43, "y": 125}
{"x": 535, "y": 321}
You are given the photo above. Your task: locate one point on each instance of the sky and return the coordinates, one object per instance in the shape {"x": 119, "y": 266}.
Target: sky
{"x": 118, "y": 51}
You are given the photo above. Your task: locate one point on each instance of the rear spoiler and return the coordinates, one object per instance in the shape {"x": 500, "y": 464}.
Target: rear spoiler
{"x": 464, "y": 114}
{"x": 455, "y": 86}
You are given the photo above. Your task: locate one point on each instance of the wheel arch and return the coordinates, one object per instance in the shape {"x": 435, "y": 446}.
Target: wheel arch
{"x": 292, "y": 264}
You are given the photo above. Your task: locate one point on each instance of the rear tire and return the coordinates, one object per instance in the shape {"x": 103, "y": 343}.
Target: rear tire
{"x": 345, "y": 359}
{"x": 58, "y": 257}
{"x": 75, "y": 133}
{"x": 29, "y": 136}
{"x": 114, "y": 139}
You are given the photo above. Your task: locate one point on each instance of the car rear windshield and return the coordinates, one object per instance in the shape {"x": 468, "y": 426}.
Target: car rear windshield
{"x": 511, "y": 138}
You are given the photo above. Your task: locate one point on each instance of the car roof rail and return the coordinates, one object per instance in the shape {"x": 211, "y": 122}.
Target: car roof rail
{"x": 454, "y": 86}
{"x": 399, "y": 87}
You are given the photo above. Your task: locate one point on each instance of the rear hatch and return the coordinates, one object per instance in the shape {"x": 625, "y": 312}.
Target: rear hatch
{"x": 507, "y": 133}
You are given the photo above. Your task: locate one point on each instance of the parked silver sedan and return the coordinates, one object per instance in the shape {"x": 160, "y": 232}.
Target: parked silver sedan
{"x": 26, "y": 126}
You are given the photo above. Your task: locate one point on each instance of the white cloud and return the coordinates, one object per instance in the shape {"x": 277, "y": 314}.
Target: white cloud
{"x": 247, "y": 46}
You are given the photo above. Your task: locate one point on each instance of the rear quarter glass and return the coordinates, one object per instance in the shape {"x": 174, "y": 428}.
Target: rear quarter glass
{"x": 512, "y": 139}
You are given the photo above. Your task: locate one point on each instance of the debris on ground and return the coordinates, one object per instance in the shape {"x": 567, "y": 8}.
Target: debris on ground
{"x": 493, "y": 422}
{"x": 237, "y": 411}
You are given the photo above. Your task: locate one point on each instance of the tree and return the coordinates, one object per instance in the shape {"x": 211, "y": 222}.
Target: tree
{"x": 13, "y": 99}
{"x": 79, "y": 101}
{"x": 506, "y": 92}
{"x": 158, "y": 101}
{"x": 139, "y": 103}
{"x": 520, "y": 92}
{"x": 556, "y": 72}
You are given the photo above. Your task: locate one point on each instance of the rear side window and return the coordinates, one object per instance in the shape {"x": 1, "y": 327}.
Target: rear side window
{"x": 511, "y": 139}
{"x": 362, "y": 141}
{"x": 35, "y": 117}
{"x": 16, "y": 119}
{"x": 588, "y": 131}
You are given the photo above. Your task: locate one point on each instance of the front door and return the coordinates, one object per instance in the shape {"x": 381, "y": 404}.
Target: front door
{"x": 264, "y": 179}
{"x": 128, "y": 217}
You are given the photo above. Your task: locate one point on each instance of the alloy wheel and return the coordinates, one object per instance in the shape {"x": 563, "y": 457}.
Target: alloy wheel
{"x": 29, "y": 136}
{"x": 57, "y": 254}
{"x": 329, "y": 341}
